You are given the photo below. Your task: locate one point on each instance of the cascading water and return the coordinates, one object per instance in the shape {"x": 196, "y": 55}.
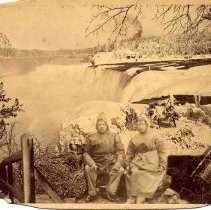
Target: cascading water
{"x": 53, "y": 92}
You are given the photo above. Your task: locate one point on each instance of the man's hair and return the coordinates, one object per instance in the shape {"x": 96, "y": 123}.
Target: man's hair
{"x": 104, "y": 122}
{"x": 102, "y": 117}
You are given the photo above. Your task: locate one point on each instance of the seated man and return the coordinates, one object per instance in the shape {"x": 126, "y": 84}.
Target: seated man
{"x": 104, "y": 155}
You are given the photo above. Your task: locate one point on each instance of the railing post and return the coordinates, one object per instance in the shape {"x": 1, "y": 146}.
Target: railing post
{"x": 3, "y": 175}
{"x": 10, "y": 180}
{"x": 28, "y": 168}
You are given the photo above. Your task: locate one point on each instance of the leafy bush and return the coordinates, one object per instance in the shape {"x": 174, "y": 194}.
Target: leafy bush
{"x": 68, "y": 181}
{"x": 62, "y": 163}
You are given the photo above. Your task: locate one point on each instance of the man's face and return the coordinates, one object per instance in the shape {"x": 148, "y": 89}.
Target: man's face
{"x": 141, "y": 126}
{"x": 101, "y": 126}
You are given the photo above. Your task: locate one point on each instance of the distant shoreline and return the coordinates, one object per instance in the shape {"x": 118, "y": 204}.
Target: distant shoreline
{"x": 27, "y": 64}
{"x": 22, "y": 65}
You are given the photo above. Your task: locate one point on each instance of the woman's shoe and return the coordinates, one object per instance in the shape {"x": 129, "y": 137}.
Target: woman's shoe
{"x": 131, "y": 200}
{"x": 109, "y": 197}
{"x": 140, "y": 199}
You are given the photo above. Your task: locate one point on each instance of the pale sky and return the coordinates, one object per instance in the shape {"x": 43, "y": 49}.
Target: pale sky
{"x": 55, "y": 24}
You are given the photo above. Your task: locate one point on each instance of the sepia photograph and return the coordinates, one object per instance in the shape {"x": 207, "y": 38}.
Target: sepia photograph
{"x": 105, "y": 105}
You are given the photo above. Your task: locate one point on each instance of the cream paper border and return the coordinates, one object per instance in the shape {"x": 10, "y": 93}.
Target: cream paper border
{"x": 116, "y": 206}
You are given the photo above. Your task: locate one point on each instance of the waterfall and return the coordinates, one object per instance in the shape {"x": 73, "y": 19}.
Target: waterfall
{"x": 52, "y": 92}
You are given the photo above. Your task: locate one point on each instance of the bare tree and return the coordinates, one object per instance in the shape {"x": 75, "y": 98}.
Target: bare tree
{"x": 5, "y": 45}
{"x": 9, "y": 138}
{"x": 188, "y": 20}
{"x": 8, "y": 110}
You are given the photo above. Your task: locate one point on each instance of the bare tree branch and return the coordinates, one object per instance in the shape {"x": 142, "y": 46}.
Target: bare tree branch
{"x": 182, "y": 20}
{"x": 138, "y": 14}
{"x": 115, "y": 15}
{"x": 188, "y": 20}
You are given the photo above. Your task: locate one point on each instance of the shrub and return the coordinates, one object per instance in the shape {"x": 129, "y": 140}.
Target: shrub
{"x": 131, "y": 118}
{"x": 194, "y": 113}
{"x": 184, "y": 138}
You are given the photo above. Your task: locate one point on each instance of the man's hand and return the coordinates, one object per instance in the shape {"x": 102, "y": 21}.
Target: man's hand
{"x": 93, "y": 167}
{"x": 127, "y": 170}
{"x": 116, "y": 167}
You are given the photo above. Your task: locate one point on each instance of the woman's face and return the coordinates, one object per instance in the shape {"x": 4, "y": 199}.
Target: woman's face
{"x": 142, "y": 126}
{"x": 101, "y": 126}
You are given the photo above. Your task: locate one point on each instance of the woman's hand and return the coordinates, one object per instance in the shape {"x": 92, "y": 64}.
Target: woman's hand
{"x": 93, "y": 167}
{"x": 161, "y": 168}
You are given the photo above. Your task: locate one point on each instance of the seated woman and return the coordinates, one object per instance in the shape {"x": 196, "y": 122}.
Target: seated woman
{"x": 146, "y": 159}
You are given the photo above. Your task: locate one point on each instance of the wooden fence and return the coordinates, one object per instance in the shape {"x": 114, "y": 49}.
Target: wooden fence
{"x": 29, "y": 171}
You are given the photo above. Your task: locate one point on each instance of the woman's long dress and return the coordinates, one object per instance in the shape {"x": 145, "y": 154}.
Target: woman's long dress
{"x": 147, "y": 158}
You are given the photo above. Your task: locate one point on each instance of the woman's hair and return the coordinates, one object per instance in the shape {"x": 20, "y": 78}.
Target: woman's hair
{"x": 142, "y": 119}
